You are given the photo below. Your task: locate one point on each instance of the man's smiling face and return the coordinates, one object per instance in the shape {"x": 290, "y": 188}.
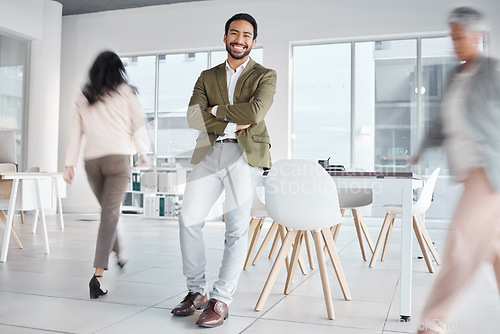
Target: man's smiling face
{"x": 239, "y": 39}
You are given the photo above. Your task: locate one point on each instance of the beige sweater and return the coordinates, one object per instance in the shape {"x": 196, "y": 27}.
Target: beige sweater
{"x": 114, "y": 126}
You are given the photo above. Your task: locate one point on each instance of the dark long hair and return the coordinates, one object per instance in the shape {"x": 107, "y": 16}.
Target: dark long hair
{"x": 105, "y": 75}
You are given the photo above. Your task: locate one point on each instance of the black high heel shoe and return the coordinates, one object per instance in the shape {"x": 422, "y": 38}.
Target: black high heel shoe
{"x": 95, "y": 288}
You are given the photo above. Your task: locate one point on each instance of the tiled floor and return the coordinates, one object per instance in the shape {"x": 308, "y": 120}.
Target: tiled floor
{"x": 42, "y": 293}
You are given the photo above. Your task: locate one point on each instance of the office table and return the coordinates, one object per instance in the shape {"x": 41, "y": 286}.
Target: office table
{"x": 25, "y": 203}
{"x": 406, "y": 181}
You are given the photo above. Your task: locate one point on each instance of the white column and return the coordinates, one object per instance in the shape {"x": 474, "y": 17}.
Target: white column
{"x": 44, "y": 89}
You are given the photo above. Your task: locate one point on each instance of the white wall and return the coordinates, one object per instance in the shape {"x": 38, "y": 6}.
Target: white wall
{"x": 44, "y": 89}
{"x": 200, "y": 26}
{"x": 40, "y": 22}
{"x": 22, "y": 18}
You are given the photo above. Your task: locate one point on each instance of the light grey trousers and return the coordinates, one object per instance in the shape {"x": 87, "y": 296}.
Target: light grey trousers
{"x": 108, "y": 177}
{"x": 223, "y": 168}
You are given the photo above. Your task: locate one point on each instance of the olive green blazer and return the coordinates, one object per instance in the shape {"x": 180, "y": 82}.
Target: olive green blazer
{"x": 211, "y": 90}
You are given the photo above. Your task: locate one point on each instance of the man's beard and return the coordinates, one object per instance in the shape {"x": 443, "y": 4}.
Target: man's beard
{"x": 246, "y": 53}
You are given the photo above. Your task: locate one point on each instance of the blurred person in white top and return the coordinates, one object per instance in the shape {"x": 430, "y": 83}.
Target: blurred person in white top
{"x": 109, "y": 115}
{"x": 467, "y": 127}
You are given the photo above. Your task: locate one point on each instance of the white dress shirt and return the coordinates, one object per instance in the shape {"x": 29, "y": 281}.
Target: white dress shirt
{"x": 232, "y": 77}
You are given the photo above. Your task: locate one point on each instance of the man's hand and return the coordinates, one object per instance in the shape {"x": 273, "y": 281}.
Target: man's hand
{"x": 209, "y": 110}
{"x": 241, "y": 127}
{"x": 69, "y": 175}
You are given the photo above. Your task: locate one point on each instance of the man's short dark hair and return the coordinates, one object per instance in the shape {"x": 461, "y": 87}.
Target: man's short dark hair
{"x": 245, "y": 17}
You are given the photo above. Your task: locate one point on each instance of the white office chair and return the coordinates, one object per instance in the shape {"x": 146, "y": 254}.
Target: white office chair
{"x": 353, "y": 199}
{"x": 301, "y": 196}
{"x": 419, "y": 207}
{"x": 259, "y": 214}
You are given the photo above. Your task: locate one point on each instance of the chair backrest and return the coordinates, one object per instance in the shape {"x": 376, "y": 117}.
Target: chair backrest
{"x": 301, "y": 195}
{"x": 33, "y": 169}
{"x": 355, "y": 197}
{"x": 8, "y": 147}
{"x": 424, "y": 201}
{"x": 7, "y": 167}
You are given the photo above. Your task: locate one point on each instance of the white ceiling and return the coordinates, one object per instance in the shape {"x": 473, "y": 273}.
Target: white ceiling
{"x": 73, "y": 7}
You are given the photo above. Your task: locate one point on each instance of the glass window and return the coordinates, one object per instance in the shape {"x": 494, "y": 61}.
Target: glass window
{"x": 13, "y": 64}
{"x": 322, "y": 102}
{"x": 177, "y": 75}
{"x": 395, "y": 107}
{"x": 141, "y": 73}
{"x": 438, "y": 59}
{"x": 389, "y": 111}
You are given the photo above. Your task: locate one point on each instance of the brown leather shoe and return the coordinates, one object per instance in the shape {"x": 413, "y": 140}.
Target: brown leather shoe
{"x": 214, "y": 315}
{"x": 190, "y": 303}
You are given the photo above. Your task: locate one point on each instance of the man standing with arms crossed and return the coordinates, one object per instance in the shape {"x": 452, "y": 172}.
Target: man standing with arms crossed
{"x": 228, "y": 106}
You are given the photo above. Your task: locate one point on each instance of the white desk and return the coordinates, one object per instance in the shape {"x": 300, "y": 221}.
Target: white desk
{"x": 406, "y": 183}
{"x": 26, "y": 203}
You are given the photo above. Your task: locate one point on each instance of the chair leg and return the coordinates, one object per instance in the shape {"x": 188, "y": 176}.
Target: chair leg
{"x": 12, "y": 232}
{"x": 267, "y": 239}
{"x": 362, "y": 224}
{"x": 324, "y": 274}
{"x": 253, "y": 243}
{"x": 420, "y": 239}
{"x": 300, "y": 260}
{"x": 335, "y": 231}
{"x": 283, "y": 232}
{"x": 273, "y": 274}
{"x": 334, "y": 257}
{"x": 309, "y": 251}
{"x": 275, "y": 243}
{"x": 302, "y": 264}
{"x": 253, "y": 224}
{"x": 359, "y": 233}
{"x": 37, "y": 217}
{"x": 387, "y": 239}
{"x": 22, "y": 217}
{"x": 428, "y": 240}
{"x": 293, "y": 262}
{"x": 385, "y": 226}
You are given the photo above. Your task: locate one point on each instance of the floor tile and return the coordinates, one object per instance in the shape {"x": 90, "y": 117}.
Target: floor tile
{"x": 48, "y": 293}
{"x": 155, "y": 320}
{"x": 361, "y": 315}
{"x": 23, "y": 330}
{"x": 289, "y": 327}
{"x": 68, "y": 315}
{"x": 13, "y": 301}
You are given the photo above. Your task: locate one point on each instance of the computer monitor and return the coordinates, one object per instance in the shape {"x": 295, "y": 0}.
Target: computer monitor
{"x": 8, "y": 147}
